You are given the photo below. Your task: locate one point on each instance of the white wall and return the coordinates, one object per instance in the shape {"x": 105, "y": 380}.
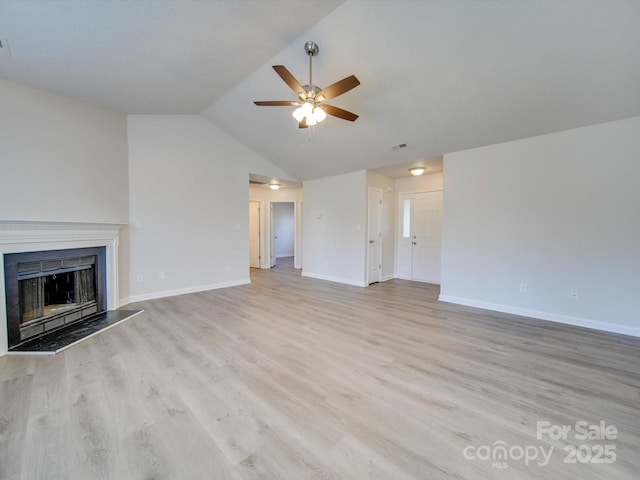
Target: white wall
{"x": 266, "y": 196}
{"x": 334, "y": 228}
{"x": 388, "y": 221}
{"x": 557, "y": 212}
{"x": 284, "y": 229}
{"x": 189, "y": 191}
{"x": 61, "y": 160}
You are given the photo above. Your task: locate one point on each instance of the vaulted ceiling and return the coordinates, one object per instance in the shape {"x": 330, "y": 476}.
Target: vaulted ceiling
{"x": 440, "y": 76}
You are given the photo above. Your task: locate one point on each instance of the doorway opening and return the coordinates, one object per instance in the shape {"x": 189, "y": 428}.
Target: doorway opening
{"x": 283, "y": 234}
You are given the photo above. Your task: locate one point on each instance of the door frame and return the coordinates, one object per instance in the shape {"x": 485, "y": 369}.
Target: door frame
{"x": 296, "y": 233}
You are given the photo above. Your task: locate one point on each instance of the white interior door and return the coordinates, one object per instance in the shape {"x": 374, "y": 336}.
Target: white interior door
{"x": 427, "y": 235}
{"x": 254, "y": 234}
{"x": 374, "y": 251}
{"x": 272, "y": 242}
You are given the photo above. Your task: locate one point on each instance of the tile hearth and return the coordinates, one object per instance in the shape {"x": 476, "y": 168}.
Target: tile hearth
{"x": 60, "y": 340}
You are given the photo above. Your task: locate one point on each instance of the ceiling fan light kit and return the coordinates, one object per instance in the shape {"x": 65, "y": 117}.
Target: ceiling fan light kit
{"x": 311, "y": 107}
{"x": 416, "y": 171}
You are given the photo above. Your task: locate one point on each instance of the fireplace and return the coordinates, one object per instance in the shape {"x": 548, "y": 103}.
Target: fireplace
{"x": 50, "y": 290}
{"x": 50, "y": 239}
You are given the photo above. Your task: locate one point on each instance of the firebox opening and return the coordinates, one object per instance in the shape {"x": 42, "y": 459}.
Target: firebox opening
{"x": 45, "y": 295}
{"x": 52, "y": 290}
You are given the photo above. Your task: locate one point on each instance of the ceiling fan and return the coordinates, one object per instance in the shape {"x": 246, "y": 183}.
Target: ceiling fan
{"x": 311, "y": 107}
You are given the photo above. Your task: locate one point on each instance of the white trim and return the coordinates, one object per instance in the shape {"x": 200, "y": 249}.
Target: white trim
{"x": 18, "y": 237}
{"x": 548, "y": 316}
{"x": 284, "y": 255}
{"x": 183, "y": 291}
{"x": 388, "y": 277}
{"x": 334, "y": 279}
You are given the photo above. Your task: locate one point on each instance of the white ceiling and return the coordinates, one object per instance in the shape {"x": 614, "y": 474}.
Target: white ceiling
{"x": 142, "y": 56}
{"x": 440, "y": 76}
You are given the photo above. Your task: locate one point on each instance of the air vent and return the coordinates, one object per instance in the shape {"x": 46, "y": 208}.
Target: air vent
{"x": 399, "y": 146}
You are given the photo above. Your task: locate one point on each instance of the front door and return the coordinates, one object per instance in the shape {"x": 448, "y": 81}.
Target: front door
{"x": 419, "y": 239}
{"x": 427, "y": 233}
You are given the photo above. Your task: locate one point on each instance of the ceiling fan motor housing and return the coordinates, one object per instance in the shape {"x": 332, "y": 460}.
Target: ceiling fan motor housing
{"x": 311, "y": 48}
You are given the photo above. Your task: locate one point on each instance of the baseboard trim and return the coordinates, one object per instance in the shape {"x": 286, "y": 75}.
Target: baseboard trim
{"x": 284, "y": 255}
{"x": 183, "y": 291}
{"x": 548, "y": 316}
{"x": 124, "y": 301}
{"x": 388, "y": 277}
{"x": 333, "y": 279}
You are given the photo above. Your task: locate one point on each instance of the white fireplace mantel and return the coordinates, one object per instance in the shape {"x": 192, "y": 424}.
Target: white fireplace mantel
{"x": 20, "y": 236}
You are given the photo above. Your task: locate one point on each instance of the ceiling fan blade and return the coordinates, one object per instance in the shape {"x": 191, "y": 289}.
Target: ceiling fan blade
{"x": 290, "y": 80}
{"x": 340, "y": 113}
{"x": 338, "y": 88}
{"x": 278, "y": 103}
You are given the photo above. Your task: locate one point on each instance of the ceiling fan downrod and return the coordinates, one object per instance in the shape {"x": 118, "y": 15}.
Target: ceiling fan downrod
{"x": 311, "y": 48}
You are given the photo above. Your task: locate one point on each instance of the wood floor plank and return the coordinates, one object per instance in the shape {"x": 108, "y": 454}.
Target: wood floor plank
{"x": 15, "y": 396}
{"x": 296, "y": 378}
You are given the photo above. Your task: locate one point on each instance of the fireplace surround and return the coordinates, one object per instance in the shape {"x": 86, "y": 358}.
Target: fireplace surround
{"x": 51, "y": 237}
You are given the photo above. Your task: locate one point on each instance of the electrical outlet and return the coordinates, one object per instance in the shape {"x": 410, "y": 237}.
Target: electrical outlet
{"x": 523, "y": 288}
{"x": 228, "y": 268}
{"x": 573, "y": 294}
{"x": 140, "y": 278}
{"x": 161, "y": 275}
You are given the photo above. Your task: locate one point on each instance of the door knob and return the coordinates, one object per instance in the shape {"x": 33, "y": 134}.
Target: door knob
{"x": 372, "y": 241}
{"x": 413, "y": 243}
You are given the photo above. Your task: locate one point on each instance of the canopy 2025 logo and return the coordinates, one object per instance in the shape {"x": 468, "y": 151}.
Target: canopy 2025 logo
{"x": 584, "y": 442}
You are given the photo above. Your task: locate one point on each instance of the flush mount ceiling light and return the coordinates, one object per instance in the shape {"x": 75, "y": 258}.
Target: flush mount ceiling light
{"x": 311, "y": 107}
{"x": 274, "y": 186}
{"x": 417, "y": 171}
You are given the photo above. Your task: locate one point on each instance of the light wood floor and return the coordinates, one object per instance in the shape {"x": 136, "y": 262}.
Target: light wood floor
{"x": 296, "y": 378}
